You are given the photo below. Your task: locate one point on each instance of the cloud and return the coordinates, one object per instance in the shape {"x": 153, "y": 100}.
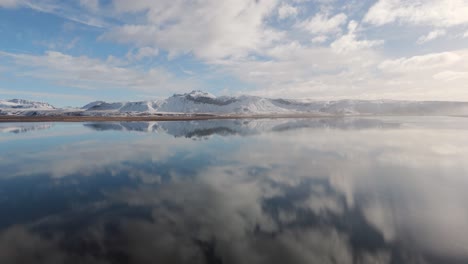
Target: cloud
{"x": 92, "y": 5}
{"x": 432, "y": 76}
{"x": 68, "y": 12}
{"x": 141, "y": 53}
{"x": 450, "y": 75}
{"x": 431, "y": 36}
{"x": 423, "y": 62}
{"x": 465, "y": 35}
{"x": 59, "y": 44}
{"x": 285, "y": 11}
{"x": 210, "y": 29}
{"x": 438, "y": 13}
{"x": 322, "y": 23}
{"x": 296, "y": 70}
{"x": 349, "y": 42}
{"x": 319, "y": 39}
{"x": 41, "y": 95}
{"x": 292, "y": 48}
{"x": 321, "y": 72}
{"x": 10, "y": 3}
{"x": 89, "y": 73}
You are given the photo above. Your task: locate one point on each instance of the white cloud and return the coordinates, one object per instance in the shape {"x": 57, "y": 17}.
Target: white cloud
{"x": 450, "y": 75}
{"x": 141, "y": 53}
{"x": 438, "y": 13}
{"x": 432, "y": 35}
{"x": 89, "y": 73}
{"x": 319, "y": 39}
{"x": 92, "y": 5}
{"x": 254, "y": 42}
{"x": 285, "y": 11}
{"x": 10, "y": 3}
{"x": 66, "y": 12}
{"x": 423, "y": 62}
{"x": 60, "y": 44}
{"x": 39, "y": 96}
{"x": 349, "y": 42}
{"x": 284, "y": 51}
{"x": 296, "y": 70}
{"x": 322, "y": 23}
{"x": 72, "y": 43}
{"x": 425, "y": 77}
{"x": 299, "y": 71}
{"x": 209, "y": 29}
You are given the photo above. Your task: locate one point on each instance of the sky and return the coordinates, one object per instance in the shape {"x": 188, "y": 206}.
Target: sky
{"x": 72, "y": 52}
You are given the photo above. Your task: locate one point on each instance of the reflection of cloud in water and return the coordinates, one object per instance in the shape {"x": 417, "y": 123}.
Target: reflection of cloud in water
{"x": 18, "y": 245}
{"x": 90, "y": 156}
{"x": 312, "y": 195}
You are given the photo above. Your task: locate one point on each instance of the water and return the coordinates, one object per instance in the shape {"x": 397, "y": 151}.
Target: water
{"x": 353, "y": 190}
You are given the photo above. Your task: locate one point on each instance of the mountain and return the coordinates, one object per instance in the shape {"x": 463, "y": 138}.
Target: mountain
{"x": 93, "y": 104}
{"x": 198, "y": 102}
{"x": 202, "y": 102}
{"x": 24, "y": 104}
{"x": 194, "y": 102}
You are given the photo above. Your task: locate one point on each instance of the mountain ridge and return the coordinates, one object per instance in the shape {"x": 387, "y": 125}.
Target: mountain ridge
{"x": 199, "y": 102}
{"x": 24, "y": 104}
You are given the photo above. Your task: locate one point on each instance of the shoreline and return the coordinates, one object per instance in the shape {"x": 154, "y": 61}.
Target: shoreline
{"x": 182, "y": 117}
{"x": 18, "y": 119}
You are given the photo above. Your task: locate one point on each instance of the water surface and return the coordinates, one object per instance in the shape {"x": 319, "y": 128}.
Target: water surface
{"x": 339, "y": 190}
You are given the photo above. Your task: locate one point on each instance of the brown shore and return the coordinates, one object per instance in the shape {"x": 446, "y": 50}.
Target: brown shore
{"x": 5, "y": 119}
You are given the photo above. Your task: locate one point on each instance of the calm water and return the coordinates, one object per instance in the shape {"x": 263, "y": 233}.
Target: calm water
{"x": 389, "y": 190}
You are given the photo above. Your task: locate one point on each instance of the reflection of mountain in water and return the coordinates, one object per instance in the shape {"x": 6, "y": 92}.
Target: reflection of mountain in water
{"x": 124, "y": 126}
{"x": 17, "y": 128}
{"x": 198, "y": 129}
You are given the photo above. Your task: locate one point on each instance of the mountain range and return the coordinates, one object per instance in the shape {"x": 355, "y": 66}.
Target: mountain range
{"x": 198, "y": 102}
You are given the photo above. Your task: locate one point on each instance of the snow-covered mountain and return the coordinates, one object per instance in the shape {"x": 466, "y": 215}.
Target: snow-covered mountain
{"x": 24, "y": 104}
{"x": 198, "y": 102}
{"x": 201, "y": 102}
{"x": 23, "y": 107}
{"x": 194, "y": 102}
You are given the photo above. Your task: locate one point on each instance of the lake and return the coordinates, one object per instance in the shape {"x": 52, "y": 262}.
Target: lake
{"x": 331, "y": 190}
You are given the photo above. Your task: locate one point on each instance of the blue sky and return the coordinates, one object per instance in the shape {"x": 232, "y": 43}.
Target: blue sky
{"x": 73, "y": 52}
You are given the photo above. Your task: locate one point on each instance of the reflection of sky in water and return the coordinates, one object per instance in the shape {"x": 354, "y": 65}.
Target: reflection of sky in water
{"x": 268, "y": 191}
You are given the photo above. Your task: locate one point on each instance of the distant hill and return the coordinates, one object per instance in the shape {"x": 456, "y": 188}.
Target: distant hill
{"x": 198, "y": 102}
{"x": 24, "y": 104}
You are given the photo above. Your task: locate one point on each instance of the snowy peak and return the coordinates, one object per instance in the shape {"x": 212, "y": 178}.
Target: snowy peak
{"x": 198, "y": 102}
{"x": 123, "y": 107}
{"x": 24, "y": 104}
{"x": 199, "y": 97}
{"x": 199, "y": 94}
{"x": 92, "y": 104}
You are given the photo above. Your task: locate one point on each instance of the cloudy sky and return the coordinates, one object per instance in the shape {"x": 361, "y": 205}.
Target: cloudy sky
{"x": 72, "y": 52}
